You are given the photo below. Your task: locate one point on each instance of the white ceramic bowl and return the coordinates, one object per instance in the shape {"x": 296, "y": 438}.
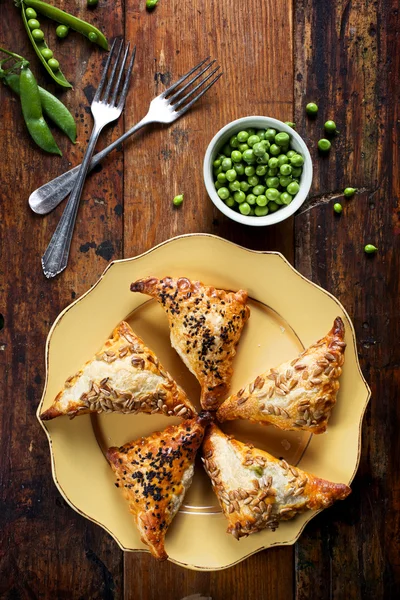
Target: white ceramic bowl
{"x": 297, "y": 143}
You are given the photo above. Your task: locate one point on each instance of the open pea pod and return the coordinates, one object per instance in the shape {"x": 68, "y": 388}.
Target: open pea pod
{"x": 38, "y": 46}
{"x": 58, "y": 15}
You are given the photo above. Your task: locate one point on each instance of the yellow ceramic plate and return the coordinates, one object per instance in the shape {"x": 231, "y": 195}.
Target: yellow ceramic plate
{"x": 288, "y": 312}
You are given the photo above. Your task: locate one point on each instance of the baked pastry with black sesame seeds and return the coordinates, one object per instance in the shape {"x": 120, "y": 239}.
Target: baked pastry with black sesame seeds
{"x": 154, "y": 474}
{"x": 205, "y": 328}
{"x": 297, "y": 395}
{"x": 125, "y": 377}
{"x": 256, "y": 490}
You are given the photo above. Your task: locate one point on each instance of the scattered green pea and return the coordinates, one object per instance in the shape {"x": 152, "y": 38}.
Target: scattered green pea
{"x": 324, "y": 145}
{"x": 370, "y": 249}
{"x": 31, "y": 13}
{"x": 62, "y": 31}
{"x": 53, "y": 64}
{"x": 150, "y": 4}
{"x": 349, "y": 192}
{"x": 290, "y": 124}
{"x": 33, "y": 24}
{"x": 95, "y": 2}
{"x": 177, "y": 201}
{"x": 38, "y": 35}
{"x": 337, "y": 207}
{"x": 330, "y": 127}
{"x": 244, "y": 208}
{"x": 311, "y": 109}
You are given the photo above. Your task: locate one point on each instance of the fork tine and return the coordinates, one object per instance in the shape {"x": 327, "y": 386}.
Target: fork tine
{"x": 104, "y": 74}
{"x": 121, "y": 72}
{"x": 185, "y": 108}
{"x": 174, "y": 85}
{"x": 113, "y": 73}
{"x": 182, "y": 100}
{"x": 179, "y": 92}
{"x": 127, "y": 80}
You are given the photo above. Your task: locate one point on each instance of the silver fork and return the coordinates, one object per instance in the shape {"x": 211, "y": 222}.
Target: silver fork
{"x": 164, "y": 108}
{"x": 106, "y": 108}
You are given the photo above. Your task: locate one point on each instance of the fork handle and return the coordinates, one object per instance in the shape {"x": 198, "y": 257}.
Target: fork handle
{"x": 55, "y": 259}
{"x": 48, "y": 196}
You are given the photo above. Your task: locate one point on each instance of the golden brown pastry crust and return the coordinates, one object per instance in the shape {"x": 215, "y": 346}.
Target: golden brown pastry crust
{"x": 205, "y": 326}
{"x": 296, "y": 395}
{"x": 256, "y": 490}
{"x": 126, "y": 377}
{"x": 154, "y": 474}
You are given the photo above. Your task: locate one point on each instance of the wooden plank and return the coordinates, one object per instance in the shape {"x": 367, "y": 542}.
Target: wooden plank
{"x": 347, "y": 60}
{"x": 46, "y": 549}
{"x": 165, "y": 161}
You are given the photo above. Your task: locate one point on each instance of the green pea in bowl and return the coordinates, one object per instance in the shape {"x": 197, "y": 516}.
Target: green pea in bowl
{"x": 257, "y": 171}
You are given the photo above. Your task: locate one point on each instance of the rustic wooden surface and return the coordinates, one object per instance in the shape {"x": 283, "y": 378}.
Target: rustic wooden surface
{"x": 343, "y": 54}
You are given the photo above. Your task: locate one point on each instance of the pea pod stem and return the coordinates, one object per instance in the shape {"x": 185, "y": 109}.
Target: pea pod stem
{"x": 56, "y": 14}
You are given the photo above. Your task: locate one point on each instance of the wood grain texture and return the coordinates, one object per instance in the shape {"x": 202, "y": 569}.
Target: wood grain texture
{"x": 347, "y": 60}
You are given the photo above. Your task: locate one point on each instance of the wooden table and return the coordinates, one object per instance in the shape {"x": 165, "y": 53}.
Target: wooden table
{"x": 276, "y": 56}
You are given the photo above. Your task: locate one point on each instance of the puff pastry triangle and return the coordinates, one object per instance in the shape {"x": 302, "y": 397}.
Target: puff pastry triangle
{"x": 126, "y": 377}
{"x": 154, "y": 474}
{"x": 256, "y": 490}
{"x": 205, "y": 328}
{"x": 299, "y": 394}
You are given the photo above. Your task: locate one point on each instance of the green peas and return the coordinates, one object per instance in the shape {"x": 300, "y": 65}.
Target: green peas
{"x": 244, "y": 208}
{"x": 218, "y": 185}
{"x": 239, "y": 196}
{"x": 297, "y": 160}
{"x": 53, "y": 64}
{"x": 311, "y": 109}
{"x": 330, "y": 127}
{"x": 248, "y": 156}
{"x": 283, "y": 159}
{"x": 243, "y": 147}
{"x": 251, "y": 131}
{"x": 233, "y": 142}
{"x": 272, "y": 182}
{"x": 217, "y": 163}
{"x": 282, "y": 139}
{"x": 285, "y": 170}
{"x": 291, "y": 153}
{"x": 177, "y": 201}
{"x": 230, "y": 202}
{"x": 324, "y": 145}
{"x": 219, "y": 170}
{"x": 349, "y": 192}
{"x": 253, "y": 180}
{"x": 239, "y": 168}
{"x": 221, "y": 177}
{"x": 293, "y": 188}
{"x": 284, "y": 181}
{"x": 30, "y": 13}
{"x": 223, "y": 193}
{"x": 95, "y": 3}
{"x": 236, "y": 156}
{"x": 261, "y": 170}
{"x": 150, "y": 4}
{"x": 37, "y": 35}
{"x": 273, "y": 163}
{"x": 249, "y": 171}
{"x": 226, "y": 150}
{"x": 261, "y": 211}
{"x": 296, "y": 171}
{"x": 272, "y": 172}
{"x": 242, "y": 136}
{"x": 226, "y": 164}
{"x": 244, "y": 186}
{"x": 261, "y": 200}
{"x": 230, "y": 175}
{"x": 274, "y": 150}
{"x": 33, "y": 24}
{"x": 285, "y": 198}
{"x": 337, "y": 207}
{"x": 370, "y": 249}
{"x": 263, "y": 160}
{"x": 261, "y": 133}
{"x": 46, "y": 53}
{"x": 251, "y": 199}
{"x": 252, "y": 212}
{"x": 234, "y": 186}
{"x": 93, "y": 36}
{"x": 272, "y": 206}
{"x": 252, "y": 140}
{"x": 259, "y": 149}
{"x": 270, "y": 134}
{"x": 290, "y": 124}
{"x": 62, "y": 31}
{"x": 258, "y": 190}
{"x": 272, "y": 194}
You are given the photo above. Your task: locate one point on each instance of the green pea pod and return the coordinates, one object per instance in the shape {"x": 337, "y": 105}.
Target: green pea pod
{"x": 58, "y": 15}
{"x": 32, "y": 111}
{"x": 52, "y": 107}
{"x": 57, "y": 75}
